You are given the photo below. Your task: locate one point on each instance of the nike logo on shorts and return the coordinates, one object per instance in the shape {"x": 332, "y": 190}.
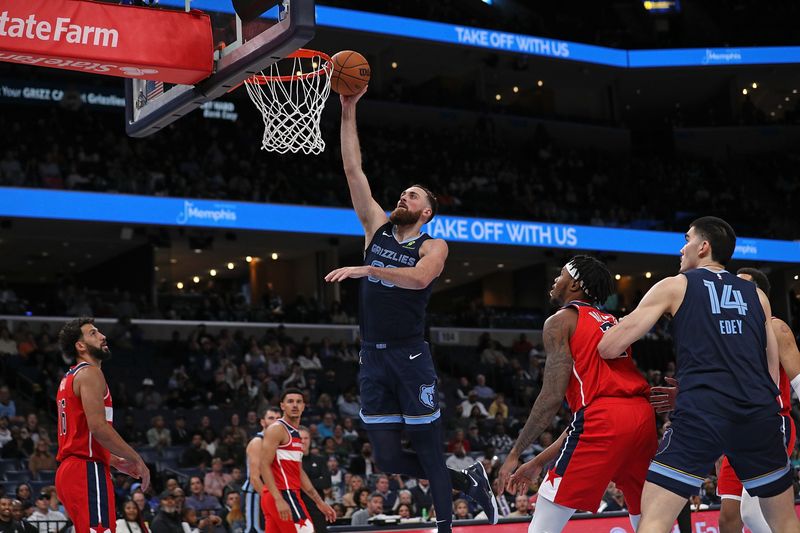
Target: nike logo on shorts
{"x": 414, "y": 356}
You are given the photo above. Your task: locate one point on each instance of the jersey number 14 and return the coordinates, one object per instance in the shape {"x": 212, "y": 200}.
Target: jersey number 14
{"x": 730, "y": 299}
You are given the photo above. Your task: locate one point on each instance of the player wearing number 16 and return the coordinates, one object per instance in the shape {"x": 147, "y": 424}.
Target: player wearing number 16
{"x": 87, "y": 442}
{"x": 727, "y": 361}
{"x": 397, "y": 378}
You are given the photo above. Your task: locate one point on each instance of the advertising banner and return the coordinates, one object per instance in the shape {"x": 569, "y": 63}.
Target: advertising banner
{"x": 108, "y": 39}
{"x": 223, "y": 214}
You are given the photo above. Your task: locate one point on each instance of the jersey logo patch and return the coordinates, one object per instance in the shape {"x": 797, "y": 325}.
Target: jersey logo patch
{"x": 665, "y": 441}
{"x": 427, "y": 395}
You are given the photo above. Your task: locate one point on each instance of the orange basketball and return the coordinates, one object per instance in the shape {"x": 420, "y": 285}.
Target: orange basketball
{"x": 350, "y": 72}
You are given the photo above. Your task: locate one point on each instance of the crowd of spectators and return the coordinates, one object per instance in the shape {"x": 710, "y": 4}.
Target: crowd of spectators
{"x": 529, "y": 178}
{"x": 192, "y": 419}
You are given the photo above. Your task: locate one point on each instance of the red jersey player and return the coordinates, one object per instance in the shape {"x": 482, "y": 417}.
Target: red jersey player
{"x": 87, "y": 442}
{"x": 612, "y": 435}
{"x": 281, "y": 467}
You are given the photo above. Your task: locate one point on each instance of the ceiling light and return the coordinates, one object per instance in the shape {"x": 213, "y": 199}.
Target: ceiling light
{"x": 448, "y": 280}
{"x": 617, "y": 277}
{"x": 248, "y": 258}
{"x": 498, "y": 97}
{"x": 394, "y": 64}
{"x": 198, "y": 251}
{"x": 744, "y": 91}
{"x": 755, "y": 85}
{"x": 796, "y": 277}
{"x": 648, "y": 275}
{"x": 212, "y": 272}
{"x": 515, "y": 89}
{"x": 786, "y": 99}
{"x": 179, "y": 285}
{"x": 540, "y": 83}
{"x": 173, "y": 261}
{"x": 196, "y": 279}
{"x": 500, "y": 265}
{"x": 156, "y": 268}
{"x": 230, "y": 266}
{"x": 274, "y": 256}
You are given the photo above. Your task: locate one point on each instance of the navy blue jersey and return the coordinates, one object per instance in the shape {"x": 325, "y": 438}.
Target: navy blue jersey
{"x": 720, "y": 339}
{"x": 389, "y": 313}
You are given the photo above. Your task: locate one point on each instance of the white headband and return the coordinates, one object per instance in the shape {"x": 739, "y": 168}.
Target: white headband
{"x": 573, "y": 271}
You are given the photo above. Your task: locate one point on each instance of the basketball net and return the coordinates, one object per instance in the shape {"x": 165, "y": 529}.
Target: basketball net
{"x": 291, "y": 102}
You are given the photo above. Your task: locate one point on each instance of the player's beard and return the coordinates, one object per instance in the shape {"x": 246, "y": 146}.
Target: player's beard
{"x": 404, "y": 217}
{"x": 101, "y": 354}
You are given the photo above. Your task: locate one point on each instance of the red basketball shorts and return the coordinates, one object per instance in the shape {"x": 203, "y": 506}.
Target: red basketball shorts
{"x": 85, "y": 489}
{"x": 300, "y": 521}
{"x": 613, "y": 439}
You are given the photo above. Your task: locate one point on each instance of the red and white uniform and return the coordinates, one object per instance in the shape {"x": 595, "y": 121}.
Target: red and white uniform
{"x": 83, "y": 480}
{"x": 728, "y": 484}
{"x": 612, "y": 436}
{"x": 286, "y": 468}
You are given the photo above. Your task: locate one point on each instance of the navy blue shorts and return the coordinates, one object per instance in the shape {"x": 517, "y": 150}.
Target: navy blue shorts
{"x": 398, "y": 385}
{"x": 756, "y": 449}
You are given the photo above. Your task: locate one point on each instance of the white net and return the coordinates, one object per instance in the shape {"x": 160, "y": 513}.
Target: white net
{"x": 291, "y": 103}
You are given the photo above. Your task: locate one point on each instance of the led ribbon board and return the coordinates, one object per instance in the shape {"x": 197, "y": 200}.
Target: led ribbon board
{"x": 349, "y": 19}
{"x": 157, "y": 211}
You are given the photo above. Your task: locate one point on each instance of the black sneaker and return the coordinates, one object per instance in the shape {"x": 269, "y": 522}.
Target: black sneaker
{"x": 480, "y": 490}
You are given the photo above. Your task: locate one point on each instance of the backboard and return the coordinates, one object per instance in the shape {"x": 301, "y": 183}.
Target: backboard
{"x": 150, "y": 106}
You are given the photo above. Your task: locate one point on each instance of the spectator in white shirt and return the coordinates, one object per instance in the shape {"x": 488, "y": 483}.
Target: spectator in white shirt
{"x": 459, "y": 460}
{"x": 50, "y": 521}
{"x": 469, "y": 403}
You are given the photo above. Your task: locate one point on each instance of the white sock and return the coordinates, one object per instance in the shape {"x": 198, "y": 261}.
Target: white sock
{"x": 796, "y": 385}
{"x": 634, "y": 518}
{"x": 752, "y": 516}
{"x": 549, "y": 517}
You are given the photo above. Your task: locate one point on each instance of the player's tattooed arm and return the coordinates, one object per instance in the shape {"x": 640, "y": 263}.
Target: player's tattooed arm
{"x": 557, "y": 372}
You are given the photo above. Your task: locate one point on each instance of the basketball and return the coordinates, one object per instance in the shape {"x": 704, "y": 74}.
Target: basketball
{"x": 350, "y": 72}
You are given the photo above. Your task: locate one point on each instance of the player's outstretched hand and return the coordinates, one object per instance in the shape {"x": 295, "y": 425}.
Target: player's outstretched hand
{"x": 663, "y": 398}
{"x": 136, "y": 469}
{"x": 505, "y": 472}
{"x": 283, "y": 509}
{"x": 341, "y": 274}
{"x": 327, "y": 510}
{"x": 352, "y": 100}
{"x": 524, "y": 476}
